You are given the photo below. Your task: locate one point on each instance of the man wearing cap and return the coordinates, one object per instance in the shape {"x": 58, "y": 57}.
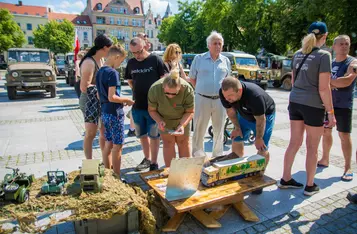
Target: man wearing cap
{"x": 206, "y": 73}
{"x": 343, "y": 83}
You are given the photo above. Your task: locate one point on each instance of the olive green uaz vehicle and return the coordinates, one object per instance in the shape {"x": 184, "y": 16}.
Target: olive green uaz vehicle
{"x": 30, "y": 69}
{"x": 16, "y": 186}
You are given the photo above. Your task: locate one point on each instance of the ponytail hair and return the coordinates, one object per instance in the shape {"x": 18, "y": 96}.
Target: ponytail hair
{"x": 310, "y": 41}
{"x": 100, "y": 42}
{"x": 173, "y": 79}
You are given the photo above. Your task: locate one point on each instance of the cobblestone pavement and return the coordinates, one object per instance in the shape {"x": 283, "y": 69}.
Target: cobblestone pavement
{"x": 333, "y": 214}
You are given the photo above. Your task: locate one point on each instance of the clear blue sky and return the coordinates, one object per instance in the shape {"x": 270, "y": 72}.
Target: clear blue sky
{"x": 76, "y": 6}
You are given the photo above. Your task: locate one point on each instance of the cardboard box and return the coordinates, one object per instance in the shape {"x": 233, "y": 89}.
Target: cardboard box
{"x": 128, "y": 223}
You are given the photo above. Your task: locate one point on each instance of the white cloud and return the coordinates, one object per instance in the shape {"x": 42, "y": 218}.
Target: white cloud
{"x": 67, "y": 7}
{"x": 64, "y": 5}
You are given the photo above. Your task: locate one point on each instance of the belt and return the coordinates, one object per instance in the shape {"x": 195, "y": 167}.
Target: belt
{"x": 211, "y": 97}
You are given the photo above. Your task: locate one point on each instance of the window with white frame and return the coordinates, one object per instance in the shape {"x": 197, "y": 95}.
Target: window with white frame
{"x": 85, "y": 35}
{"x": 119, "y": 21}
{"x": 111, "y": 19}
{"x": 139, "y": 23}
{"x": 126, "y": 46}
{"x": 133, "y": 22}
{"x": 134, "y": 34}
{"x": 126, "y": 22}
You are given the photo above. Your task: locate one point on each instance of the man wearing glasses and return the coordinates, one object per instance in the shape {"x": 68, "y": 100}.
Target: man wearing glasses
{"x": 206, "y": 73}
{"x": 141, "y": 72}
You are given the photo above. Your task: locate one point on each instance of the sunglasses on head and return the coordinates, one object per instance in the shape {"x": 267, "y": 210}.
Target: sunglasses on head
{"x": 178, "y": 52}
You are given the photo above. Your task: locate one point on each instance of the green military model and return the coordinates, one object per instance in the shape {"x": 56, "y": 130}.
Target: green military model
{"x": 16, "y": 186}
{"x": 30, "y": 69}
{"x": 55, "y": 183}
{"x": 90, "y": 178}
{"x": 69, "y": 69}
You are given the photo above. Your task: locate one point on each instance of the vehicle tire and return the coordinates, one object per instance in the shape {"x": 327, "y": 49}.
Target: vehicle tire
{"x": 11, "y": 188}
{"x": 53, "y": 91}
{"x": 72, "y": 81}
{"x": 11, "y": 92}
{"x": 210, "y": 131}
{"x": 276, "y": 84}
{"x": 23, "y": 196}
{"x": 67, "y": 80}
{"x": 287, "y": 83}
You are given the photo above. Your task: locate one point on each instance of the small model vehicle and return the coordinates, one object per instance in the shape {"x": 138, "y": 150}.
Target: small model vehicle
{"x": 220, "y": 172}
{"x": 90, "y": 178}
{"x": 55, "y": 183}
{"x": 16, "y": 186}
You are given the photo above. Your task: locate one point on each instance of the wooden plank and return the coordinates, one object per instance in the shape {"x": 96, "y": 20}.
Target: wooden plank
{"x": 174, "y": 222}
{"x": 217, "y": 214}
{"x": 206, "y": 197}
{"x": 245, "y": 212}
{"x": 205, "y": 219}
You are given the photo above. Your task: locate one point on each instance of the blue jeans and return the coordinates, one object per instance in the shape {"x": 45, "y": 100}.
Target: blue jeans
{"x": 144, "y": 124}
{"x": 248, "y": 126}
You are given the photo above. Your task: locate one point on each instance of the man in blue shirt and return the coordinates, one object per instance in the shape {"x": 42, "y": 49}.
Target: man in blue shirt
{"x": 343, "y": 83}
{"x": 112, "y": 113}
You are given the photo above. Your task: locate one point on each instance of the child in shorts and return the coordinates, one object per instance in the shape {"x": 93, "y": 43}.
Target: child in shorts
{"x": 112, "y": 113}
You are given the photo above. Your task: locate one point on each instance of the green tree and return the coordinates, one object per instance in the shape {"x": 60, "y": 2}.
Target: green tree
{"x": 58, "y": 37}
{"x": 11, "y": 34}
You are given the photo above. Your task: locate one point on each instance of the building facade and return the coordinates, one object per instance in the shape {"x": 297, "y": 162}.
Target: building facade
{"x": 123, "y": 19}
{"x": 28, "y": 18}
{"x": 82, "y": 25}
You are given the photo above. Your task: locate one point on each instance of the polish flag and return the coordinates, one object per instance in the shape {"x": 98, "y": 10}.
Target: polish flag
{"x": 77, "y": 46}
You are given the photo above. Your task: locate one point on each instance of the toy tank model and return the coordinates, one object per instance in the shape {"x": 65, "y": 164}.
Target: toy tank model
{"x": 90, "y": 178}
{"x": 232, "y": 169}
{"x": 16, "y": 186}
{"x": 55, "y": 183}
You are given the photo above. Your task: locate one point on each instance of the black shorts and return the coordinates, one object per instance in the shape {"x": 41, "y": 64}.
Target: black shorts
{"x": 311, "y": 116}
{"x": 343, "y": 119}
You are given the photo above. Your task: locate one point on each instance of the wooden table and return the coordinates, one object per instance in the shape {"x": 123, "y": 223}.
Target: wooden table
{"x": 227, "y": 194}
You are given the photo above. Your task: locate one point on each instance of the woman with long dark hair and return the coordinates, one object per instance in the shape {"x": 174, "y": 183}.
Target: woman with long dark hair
{"x": 88, "y": 101}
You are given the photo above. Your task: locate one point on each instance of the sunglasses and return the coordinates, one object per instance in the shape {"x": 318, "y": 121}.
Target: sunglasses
{"x": 138, "y": 52}
{"x": 170, "y": 94}
{"x": 178, "y": 52}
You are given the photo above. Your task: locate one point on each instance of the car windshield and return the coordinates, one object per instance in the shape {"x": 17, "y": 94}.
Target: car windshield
{"x": 246, "y": 61}
{"x": 70, "y": 59}
{"x": 287, "y": 63}
{"x": 60, "y": 62}
{"x": 29, "y": 56}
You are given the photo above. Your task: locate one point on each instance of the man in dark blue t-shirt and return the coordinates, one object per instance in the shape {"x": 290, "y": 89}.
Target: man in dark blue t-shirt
{"x": 112, "y": 114}
{"x": 343, "y": 82}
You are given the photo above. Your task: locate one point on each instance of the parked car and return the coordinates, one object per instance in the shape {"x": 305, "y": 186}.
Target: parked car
{"x": 247, "y": 67}
{"x": 30, "y": 69}
{"x": 279, "y": 69}
{"x": 69, "y": 69}
{"x": 60, "y": 64}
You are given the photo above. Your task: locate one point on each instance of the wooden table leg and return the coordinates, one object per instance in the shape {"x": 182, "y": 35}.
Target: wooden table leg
{"x": 217, "y": 214}
{"x": 205, "y": 219}
{"x": 174, "y": 222}
{"x": 245, "y": 212}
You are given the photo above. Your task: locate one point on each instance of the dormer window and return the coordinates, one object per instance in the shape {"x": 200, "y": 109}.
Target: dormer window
{"x": 84, "y": 22}
{"x": 78, "y": 22}
{"x": 136, "y": 10}
{"x": 99, "y": 6}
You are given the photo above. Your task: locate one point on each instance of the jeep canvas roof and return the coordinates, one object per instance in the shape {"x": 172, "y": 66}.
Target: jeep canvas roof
{"x": 90, "y": 167}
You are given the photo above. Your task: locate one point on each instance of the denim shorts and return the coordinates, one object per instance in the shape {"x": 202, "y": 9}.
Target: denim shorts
{"x": 114, "y": 128}
{"x": 248, "y": 126}
{"x": 144, "y": 124}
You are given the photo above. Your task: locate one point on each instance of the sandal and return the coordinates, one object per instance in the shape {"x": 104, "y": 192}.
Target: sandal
{"x": 322, "y": 165}
{"x": 347, "y": 176}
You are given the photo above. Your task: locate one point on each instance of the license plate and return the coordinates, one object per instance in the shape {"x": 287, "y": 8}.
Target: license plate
{"x": 32, "y": 84}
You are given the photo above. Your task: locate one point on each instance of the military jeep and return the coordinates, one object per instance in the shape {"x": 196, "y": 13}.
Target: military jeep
{"x": 55, "y": 183}
{"x": 30, "y": 69}
{"x": 247, "y": 67}
{"x": 69, "y": 69}
{"x": 90, "y": 178}
{"x": 16, "y": 186}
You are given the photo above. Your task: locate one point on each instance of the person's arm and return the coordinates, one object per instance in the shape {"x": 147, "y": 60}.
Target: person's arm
{"x": 187, "y": 117}
{"x": 154, "y": 114}
{"x": 128, "y": 76}
{"x": 87, "y": 75}
{"x": 130, "y": 83}
{"x": 260, "y": 125}
{"x": 113, "y": 97}
{"x": 325, "y": 90}
{"x": 193, "y": 72}
{"x": 183, "y": 75}
{"x": 345, "y": 81}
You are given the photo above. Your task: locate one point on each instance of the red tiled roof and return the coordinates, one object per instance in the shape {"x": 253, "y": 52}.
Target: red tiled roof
{"x": 132, "y": 4}
{"x": 24, "y": 9}
{"x": 71, "y": 17}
